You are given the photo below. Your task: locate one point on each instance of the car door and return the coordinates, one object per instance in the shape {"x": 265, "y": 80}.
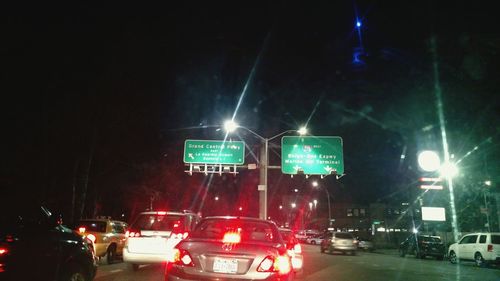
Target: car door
{"x": 467, "y": 247}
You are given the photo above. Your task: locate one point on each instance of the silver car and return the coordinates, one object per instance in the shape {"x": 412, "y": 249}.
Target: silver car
{"x": 339, "y": 242}
{"x": 231, "y": 248}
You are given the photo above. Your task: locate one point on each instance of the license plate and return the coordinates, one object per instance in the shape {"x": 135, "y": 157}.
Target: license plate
{"x": 225, "y": 265}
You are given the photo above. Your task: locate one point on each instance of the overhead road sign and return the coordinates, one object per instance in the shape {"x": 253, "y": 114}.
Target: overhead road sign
{"x": 214, "y": 152}
{"x": 312, "y": 155}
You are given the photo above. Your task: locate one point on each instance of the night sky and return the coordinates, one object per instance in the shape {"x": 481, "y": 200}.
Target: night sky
{"x": 97, "y": 101}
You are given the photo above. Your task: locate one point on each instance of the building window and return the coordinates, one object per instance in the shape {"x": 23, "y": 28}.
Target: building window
{"x": 356, "y": 212}
{"x": 349, "y": 212}
{"x": 362, "y": 212}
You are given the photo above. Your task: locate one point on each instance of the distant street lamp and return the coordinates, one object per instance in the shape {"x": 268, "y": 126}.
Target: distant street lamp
{"x": 429, "y": 161}
{"x": 231, "y": 126}
{"x": 316, "y": 184}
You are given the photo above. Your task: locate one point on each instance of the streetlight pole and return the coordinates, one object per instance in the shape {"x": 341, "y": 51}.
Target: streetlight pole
{"x": 263, "y": 162}
{"x": 315, "y": 184}
{"x": 264, "y": 153}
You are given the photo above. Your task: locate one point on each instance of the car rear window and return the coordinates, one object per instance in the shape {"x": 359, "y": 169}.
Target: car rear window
{"x": 430, "y": 239}
{"x": 94, "y": 226}
{"x": 342, "y": 235}
{"x": 495, "y": 239}
{"x": 249, "y": 230}
{"x": 158, "y": 222}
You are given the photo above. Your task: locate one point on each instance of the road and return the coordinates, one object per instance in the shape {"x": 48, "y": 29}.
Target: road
{"x": 380, "y": 265}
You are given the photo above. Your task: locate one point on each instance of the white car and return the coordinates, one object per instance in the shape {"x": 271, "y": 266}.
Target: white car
{"x": 153, "y": 235}
{"x": 482, "y": 248}
{"x": 315, "y": 240}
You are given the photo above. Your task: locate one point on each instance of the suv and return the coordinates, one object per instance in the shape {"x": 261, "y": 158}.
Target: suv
{"x": 422, "y": 246}
{"x": 107, "y": 235}
{"x": 34, "y": 245}
{"x": 482, "y": 248}
{"x": 339, "y": 241}
{"x": 153, "y": 235}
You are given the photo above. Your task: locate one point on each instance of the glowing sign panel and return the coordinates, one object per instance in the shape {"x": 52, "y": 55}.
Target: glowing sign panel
{"x": 433, "y": 214}
{"x": 214, "y": 152}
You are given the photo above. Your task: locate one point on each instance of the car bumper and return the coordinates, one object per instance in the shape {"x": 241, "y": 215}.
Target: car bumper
{"x": 142, "y": 258}
{"x": 175, "y": 274}
{"x": 344, "y": 247}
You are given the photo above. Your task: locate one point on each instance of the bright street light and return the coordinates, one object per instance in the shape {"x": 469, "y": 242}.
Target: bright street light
{"x": 429, "y": 161}
{"x": 315, "y": 183}
{"x": 293, "y": 205}
{"x": 488, "y": 183}
{"x": 302, "y": 131}
{"x": 449, "y": 169}
{"x": 230, "y": 126}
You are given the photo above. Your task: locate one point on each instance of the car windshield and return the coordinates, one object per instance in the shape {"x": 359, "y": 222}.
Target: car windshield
{"x": 430, "y": 239}
{"x": 158, "y": 222}
{"x": 248, "y": 230}
{"x": 94, "y": 226}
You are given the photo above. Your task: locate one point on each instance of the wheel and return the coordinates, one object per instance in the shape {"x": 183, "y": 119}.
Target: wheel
{"x": 313, "y": 242}
{"x": 74, "y": 272}
{"x": 479, "y": 260}
{"x": 453, "y": 257}
{"x": 111, "y": 254}
{"x": 134, "y": 267}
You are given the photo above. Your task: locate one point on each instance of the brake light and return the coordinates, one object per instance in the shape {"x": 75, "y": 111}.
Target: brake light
{"x": 279, "y": 264}
{"x": 3, "y": 251}
{"x": 490, "y": 248}
{"x": 133, "y": 233}
{"x": 82, "y": 229}
{"x": 297, "y": 248}
{"x": 91, "y": 237}
{"x": 231, "y": 237}
{"x": 161, "y": 213}
{"x": 182, "y": 257}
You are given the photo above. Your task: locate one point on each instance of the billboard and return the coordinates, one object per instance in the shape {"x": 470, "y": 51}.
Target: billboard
{"x": 433, "y": 214}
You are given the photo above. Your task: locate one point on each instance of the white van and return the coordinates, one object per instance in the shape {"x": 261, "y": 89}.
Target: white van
{"x": 482, "y": 248}
{"x": 153, "y": 235}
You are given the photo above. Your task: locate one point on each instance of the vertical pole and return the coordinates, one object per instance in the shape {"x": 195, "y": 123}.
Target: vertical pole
{"x": 263, "y": 180}
{"x": 329, "y": 209}
{"x": 487, "y": 211}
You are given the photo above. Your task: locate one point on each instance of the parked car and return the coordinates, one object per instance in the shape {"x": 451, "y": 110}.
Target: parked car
{"x": 108, "y": 236}
{"x": 152, "y": 237}
{"x": 34, "y": 245}
{"x": 482, "y": 248}
{"x": 231, "y": 248}
{"x": 294, "y": 249}
{"x": 422, "y": 246}
{"x": 339, "y": 241}
{"x": 315, "y": 240}
{"x": 365, "y": 244}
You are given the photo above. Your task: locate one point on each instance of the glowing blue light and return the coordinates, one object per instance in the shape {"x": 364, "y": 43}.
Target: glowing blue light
{"x": 358, "y": 24}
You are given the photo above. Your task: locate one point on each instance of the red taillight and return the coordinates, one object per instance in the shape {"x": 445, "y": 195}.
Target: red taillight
{"x": 82, "y": 229}
{"x": 3, "y": 251}
{"x": 279, "y": 264}
{"x": 490, "y": 248}
{"x": 297, "y": 248}
{"x": 91, "y": 237}
{"x": 133, "y": 233}
{"x": 231, "y": 237}
{"x": 182, "y": 257}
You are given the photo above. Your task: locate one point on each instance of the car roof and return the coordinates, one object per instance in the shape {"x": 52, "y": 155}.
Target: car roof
{"x": 103, "y": 220}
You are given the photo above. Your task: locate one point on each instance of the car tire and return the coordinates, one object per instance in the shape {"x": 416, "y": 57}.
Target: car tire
{"x": 74, "y": 272}
{"x": 479, "y": 260}
{"x": 453, "y": 257}
{"x": 111, "y": 254}
{"x": 134, "y": 266}
{"x": 313, "y": 242}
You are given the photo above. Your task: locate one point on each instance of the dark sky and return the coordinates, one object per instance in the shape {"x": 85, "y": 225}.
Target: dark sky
{"x": 109, "y": 94}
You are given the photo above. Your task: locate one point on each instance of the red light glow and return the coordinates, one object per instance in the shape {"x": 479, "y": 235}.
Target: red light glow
{"x": 161, "y": 213}
{"x": 231, "y": 237}
{"x": 91, "y": 237}
{"x": 82, "y": 229}
{"x": 3, "y": 251}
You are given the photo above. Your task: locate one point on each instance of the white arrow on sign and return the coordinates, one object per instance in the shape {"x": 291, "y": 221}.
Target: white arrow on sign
{"x": 190, "y": 155}
{"x": 297, "y": 167}
{"x": 328, "y": 169}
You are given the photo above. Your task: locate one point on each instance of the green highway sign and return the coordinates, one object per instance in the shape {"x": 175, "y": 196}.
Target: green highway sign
{"x": 214, "y": 152}
{"x": 312, "y": 155}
